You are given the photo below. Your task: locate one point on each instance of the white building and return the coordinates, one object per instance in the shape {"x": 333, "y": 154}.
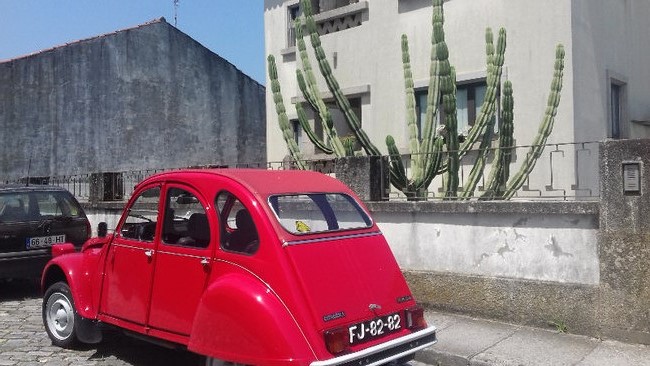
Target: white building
{"x": 606, "y": 91}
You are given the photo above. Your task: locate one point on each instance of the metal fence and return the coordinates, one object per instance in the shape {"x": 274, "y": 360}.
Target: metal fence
{"x": 567, "y": 171}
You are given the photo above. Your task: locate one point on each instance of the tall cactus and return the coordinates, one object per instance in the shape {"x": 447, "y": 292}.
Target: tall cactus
{"x": 341, "y": 100}
{"x": 485, "y": 121}
{"x": 283, "y": 120}
{"x": 545, "y": 128}
{"x": 425, "y": 154}
{"x": 309, "y": 88}
{"x": 500, "y": 171}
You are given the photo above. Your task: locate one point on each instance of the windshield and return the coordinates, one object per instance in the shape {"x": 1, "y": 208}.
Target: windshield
{"x": 318, "y": 212}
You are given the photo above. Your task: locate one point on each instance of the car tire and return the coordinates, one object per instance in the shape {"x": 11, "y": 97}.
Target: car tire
{"x": 60, "y": 316}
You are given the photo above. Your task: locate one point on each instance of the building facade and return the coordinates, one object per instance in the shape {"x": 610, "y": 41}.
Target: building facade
{"x": 148, "y": 97}
{"x": 606, "y": 91}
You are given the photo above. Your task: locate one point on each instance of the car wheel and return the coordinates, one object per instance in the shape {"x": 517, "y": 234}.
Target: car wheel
{"x": 59, "y": 315}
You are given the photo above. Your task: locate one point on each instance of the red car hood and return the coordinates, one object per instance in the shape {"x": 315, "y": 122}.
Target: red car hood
{"x": 341, "y": 277}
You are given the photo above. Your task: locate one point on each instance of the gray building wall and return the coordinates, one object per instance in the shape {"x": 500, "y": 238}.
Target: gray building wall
{"x": 141, "y": 98}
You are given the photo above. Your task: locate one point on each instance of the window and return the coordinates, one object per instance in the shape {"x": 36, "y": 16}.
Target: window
{"x": 140, "y": 224}
{"x": 340, "y": 124}
{"x": 469, "y": 99}
{"x": 293, "y": 12}
{"x": 616, "y": 95}
{"x": 297, "y": 131}
{"x": 238, "y": 230}
{"x": 318, "y": 212}
{"x": 185, "y": 222}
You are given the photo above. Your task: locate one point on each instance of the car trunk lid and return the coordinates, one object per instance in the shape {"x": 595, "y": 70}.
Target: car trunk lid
{"x": 347, "y": 278}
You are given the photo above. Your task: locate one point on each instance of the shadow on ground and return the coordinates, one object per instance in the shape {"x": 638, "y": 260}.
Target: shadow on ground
{"x": 14, "y": 290}
{"x": 136, "y": 352}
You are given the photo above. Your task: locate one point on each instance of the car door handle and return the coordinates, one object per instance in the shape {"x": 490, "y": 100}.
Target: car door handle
{"x": 205, "y": 262}
{"x": 148, "y": 253}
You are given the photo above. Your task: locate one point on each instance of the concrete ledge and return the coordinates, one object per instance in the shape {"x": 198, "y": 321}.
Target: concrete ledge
{"x": 537, "y": 207}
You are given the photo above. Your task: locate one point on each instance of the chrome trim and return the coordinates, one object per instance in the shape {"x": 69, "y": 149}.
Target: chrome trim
{"x": 353, "y": 357}
{"x": 330, "y": 238}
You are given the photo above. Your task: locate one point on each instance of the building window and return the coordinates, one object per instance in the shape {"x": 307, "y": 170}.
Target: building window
{"x": 469, "y": 99}
{"x": 297, "y": 131}
{"x": 616, "y": 95}
{"x": 293, "y": 12}
{"x": 340, "y": 124}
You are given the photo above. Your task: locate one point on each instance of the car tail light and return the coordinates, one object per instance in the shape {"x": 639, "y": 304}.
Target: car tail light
{"x": 415, "y": 318}
{"x": 337, "y": 340}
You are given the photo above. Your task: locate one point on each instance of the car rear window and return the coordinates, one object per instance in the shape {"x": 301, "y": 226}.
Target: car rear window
{"x": 318, "y": 212}
{"x": 25, "y": 206}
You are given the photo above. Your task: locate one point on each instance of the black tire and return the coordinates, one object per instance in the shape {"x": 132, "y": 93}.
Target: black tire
{"x": 60, "y": 316}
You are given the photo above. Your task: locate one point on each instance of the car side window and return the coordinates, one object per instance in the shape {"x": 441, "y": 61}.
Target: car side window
{"x": 140, "y": 224}
{"x": 14, "y": 207}
{"x": 238, "y": 230}
{"x": 185, "y": 220}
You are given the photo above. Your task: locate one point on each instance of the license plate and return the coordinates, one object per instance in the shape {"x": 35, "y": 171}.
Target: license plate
{"x": 365, "y": 331}
{"x": 44, "y": 241}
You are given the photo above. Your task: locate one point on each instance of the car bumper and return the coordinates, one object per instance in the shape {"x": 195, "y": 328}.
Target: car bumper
{"x": 386, "y": 352}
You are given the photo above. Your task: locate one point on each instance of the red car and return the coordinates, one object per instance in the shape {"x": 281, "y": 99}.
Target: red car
{"x": 246, "y": 266}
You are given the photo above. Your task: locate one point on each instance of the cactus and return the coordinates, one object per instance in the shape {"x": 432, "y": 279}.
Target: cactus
{"x": 424, "y": 163}
{"x": 501, "y": 167}
{"x": 351, "y": 118}
{"x": 545, "y": 128}
{"x": 304, "y": 123}
{"x": 485, "y": 121}
{"x": 309, "y": 89}
{"x": 426, "y": 151}
{"x": 287, "y": 132}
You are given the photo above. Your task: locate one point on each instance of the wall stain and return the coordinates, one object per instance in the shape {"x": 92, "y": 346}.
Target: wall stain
{"x": 555, "y": 248}
{"x": 521, "y": 222}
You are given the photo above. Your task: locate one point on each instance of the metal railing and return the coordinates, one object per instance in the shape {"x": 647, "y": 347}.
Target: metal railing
{"x": 566, "y": 171}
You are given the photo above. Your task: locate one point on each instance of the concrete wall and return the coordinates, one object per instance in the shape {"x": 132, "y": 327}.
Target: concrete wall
{"x": 140, "y": 98}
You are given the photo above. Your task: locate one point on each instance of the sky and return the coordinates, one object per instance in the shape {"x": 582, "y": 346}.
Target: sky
{"x": 233, "y": 29}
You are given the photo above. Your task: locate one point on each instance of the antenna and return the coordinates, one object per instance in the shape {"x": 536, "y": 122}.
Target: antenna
{"x": 176, "y": 13}
{"x": 29, "y": 167}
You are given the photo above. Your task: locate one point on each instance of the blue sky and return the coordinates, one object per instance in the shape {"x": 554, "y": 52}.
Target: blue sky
{"x": 234, "y": 29}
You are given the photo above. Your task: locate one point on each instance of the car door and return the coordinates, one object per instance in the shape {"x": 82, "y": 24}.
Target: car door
{"x": 130, "y": 260}
{"x": 183, "y": 260}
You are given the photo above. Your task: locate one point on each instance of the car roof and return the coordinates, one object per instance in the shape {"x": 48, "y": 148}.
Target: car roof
{"x": 265, "y": 182}
{"x": 30, "y": 188}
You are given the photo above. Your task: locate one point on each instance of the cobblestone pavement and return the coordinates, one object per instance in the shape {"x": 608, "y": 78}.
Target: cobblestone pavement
{"x": 23, "y": 341}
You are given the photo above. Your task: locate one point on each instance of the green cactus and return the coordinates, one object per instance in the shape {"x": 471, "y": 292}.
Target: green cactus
{"x": 426, "y": 151}
{"x": 310, "y": 91}
{"x": 341, "y": 100}
{"x": 287, "y": 132}
{"x": 488, "y": 109}
{"x": 423, "y": 162}
{"x": 545, "y": 128}
{"x": 503, "y": 155}
{"x": 304, "y": 123}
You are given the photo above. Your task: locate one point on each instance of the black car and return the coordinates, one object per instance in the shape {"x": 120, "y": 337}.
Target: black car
{"x": 32, "y": 218}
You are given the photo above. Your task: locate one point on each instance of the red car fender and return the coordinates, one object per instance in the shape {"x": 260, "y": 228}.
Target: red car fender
{"x": 240, "y": 319}
{"x": 71, "y": 268}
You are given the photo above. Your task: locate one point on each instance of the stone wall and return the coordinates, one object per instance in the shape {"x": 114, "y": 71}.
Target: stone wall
{"x": 142, "y": 98}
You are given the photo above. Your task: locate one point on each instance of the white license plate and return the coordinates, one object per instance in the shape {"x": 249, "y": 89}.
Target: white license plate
{"x": 375, "y": 328}
{"x": 44, "y": 241}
